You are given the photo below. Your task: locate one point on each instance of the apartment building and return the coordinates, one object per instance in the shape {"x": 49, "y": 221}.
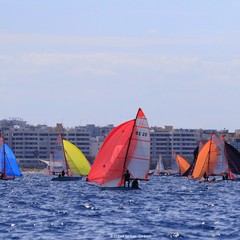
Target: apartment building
{"x": 167, "y": 141}
{"x": 31, "y": 144}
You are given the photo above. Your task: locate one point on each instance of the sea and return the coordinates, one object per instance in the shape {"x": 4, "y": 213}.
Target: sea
{"x": 166, "y": 207}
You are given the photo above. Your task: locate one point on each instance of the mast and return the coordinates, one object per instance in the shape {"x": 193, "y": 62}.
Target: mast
{"x": 64, "y": 155}
{"x": 209, "y": 154}
{"x": 208, "y": 159}
{"x": 4, "y": 161}
{"x": 73, "y": 162}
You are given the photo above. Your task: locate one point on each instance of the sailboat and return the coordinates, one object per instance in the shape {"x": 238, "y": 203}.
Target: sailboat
{"x": 8, "y": 165}
{"x": 211, "y": 160}
{"x": 159, "y": 170}
{"x": 68, "y": 162}
{"x": 233, "y": 160}
{"x": 183, "y": 165}
{"x": 127, "y": 147}
{"x": 221, "y": 158}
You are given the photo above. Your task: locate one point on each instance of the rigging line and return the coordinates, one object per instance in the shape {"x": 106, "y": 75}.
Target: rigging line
{"x": 72, "y": 162}
{"x": 64, "y": 153}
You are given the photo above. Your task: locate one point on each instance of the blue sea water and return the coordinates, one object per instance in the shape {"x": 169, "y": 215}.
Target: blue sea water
{"x": 167, "y": 207}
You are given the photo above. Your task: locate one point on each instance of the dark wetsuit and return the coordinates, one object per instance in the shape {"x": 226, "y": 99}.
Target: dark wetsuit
{"x": 127, "y": 178}
{"x": 135, "y": 183}
{"x": 205, "y": 177}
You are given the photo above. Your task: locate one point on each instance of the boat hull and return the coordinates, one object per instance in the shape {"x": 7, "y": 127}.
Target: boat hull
{"x": 119, "y": 188}
{"x": 7, "y": 179}
{"x": 66, "y": 179}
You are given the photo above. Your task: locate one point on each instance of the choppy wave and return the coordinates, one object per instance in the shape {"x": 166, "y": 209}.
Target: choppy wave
{"x": 167, "y": 207}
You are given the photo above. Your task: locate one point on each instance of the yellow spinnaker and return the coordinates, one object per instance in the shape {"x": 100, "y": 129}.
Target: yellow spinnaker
{"x": 76, "y": 160}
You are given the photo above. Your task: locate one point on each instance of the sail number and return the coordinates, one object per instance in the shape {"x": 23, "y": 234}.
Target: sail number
{"x": 143, "y": 134}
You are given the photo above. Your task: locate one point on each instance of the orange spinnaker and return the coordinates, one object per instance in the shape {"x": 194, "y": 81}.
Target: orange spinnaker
{"x": 183, "y": 164}
{"x": 206, "y": 161}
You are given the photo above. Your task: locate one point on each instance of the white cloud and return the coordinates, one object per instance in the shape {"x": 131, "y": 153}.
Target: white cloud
{"x": 153, "y": 31}
{"x": 26, "y": 66}
{"x": 115, "y": 73}
{"x": 111, "y": 41}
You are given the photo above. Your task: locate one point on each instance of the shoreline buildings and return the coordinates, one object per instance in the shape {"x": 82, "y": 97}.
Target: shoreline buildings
{"x": 31, "y": 144}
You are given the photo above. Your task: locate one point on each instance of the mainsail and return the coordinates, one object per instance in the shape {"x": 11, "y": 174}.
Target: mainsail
{"x": 127, "y": 147}
{"x": 233, "y": 159}
{"x": 174, "y": 165}
{"x": 160, "y": 167}
{"x": 58, "y": 161}
{"x": 8, "y": 165}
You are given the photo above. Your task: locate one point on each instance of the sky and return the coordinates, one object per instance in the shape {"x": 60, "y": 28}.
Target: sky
{"x": 96, "y": 62}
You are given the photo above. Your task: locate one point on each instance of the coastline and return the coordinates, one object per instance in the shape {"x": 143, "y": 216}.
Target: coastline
{"x": 32, "y": 170}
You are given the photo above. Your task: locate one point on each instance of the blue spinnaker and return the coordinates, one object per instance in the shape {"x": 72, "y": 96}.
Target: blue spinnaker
{"x": 9, "y": 164}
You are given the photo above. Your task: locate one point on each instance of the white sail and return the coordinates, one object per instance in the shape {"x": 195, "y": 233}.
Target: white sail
{"x": 159, "y": 168}
{"x": 174, "y": 164}
{"x": 138, "y": 157}
{"x": 127, "y": 147}
{"x": 221, "y": 165}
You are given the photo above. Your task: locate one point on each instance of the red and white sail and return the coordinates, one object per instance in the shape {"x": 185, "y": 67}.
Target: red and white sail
{"x": 127, "y": 147}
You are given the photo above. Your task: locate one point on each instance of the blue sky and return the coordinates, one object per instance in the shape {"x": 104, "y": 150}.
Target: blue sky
{"x": 79, "y": 62}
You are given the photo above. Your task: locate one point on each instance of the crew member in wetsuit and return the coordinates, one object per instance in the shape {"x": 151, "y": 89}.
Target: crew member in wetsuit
{"x": 135, "y": 183}
{"x": 63, "y": 173}
{"x": 205, "y": 177}
{"x": 126, "y": 177}
{"x": 225, "y": 176}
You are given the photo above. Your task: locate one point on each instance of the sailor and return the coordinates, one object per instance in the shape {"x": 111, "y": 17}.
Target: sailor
{"x": 126, "y": 177}
{"x": 135, "y": 183}
{"x": 63, "y": 173}
{"x": 225, "y": 176}
{"x": 205, "y": 177}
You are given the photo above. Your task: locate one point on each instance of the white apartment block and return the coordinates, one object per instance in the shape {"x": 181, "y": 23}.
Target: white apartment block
{"x": 32, "y": 143}
{"x": 167, "y": 141}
